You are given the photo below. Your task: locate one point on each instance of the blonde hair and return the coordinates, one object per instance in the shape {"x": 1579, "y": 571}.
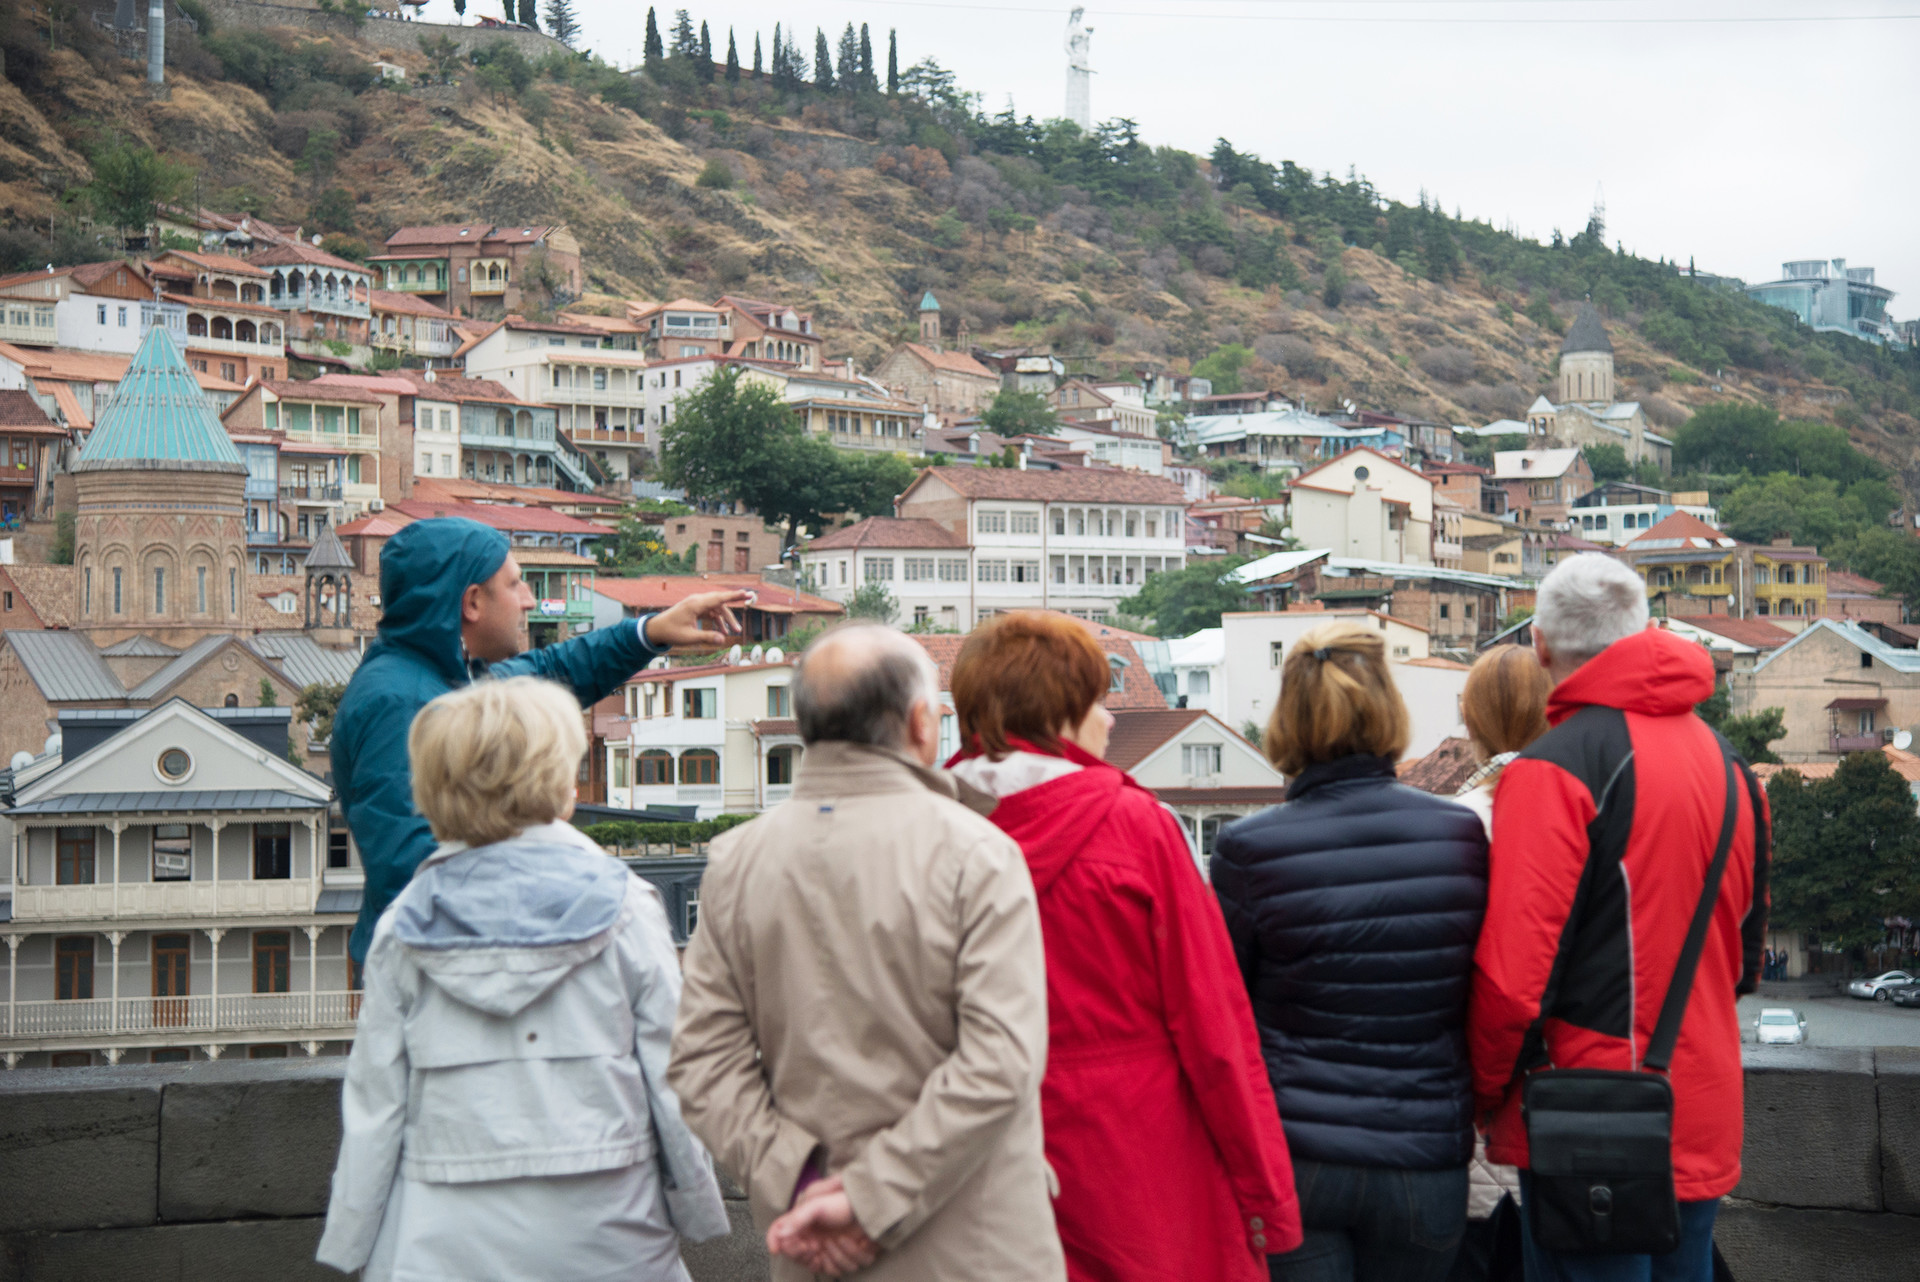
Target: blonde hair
{"x": 1505, "y": 700}
{"x": 496, "y": 757}
{"x": 1337, "y": 698}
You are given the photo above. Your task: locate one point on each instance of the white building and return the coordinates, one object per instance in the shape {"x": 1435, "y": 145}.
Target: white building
{"x": 436, "y": 434}
{"x": 1197, "y": 663}
{"x": 597, "y": 391}
{"x": 1366, "y": 505}
{"x": 1256, "y": 644}
{"x": 971, "y": 542}
{"x": 720, "y": 737}
{"x": 1195, "y": 764}
{"x": 177, "y": 892}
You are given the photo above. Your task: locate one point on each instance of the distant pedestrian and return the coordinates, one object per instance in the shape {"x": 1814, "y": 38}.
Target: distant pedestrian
{"x": 865, "y": 1023}
{"x": 1159, "y": 1118}
{"x": 506, "y": 1112}
{"x": 1354, "y": 907}
{"x": 1606, "y": 833}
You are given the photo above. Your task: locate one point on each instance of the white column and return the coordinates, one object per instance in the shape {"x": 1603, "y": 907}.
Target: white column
{"x": 117, "y": 826}
{"x": 315, "y": 853}
{"x": 13, "y": 975}
{"x": 313, "y": 975}
{"x": 114, "y": 1053}
{"x": 214, "y": 935}
{"x": 215, "y": 825}
{"x": 114, "y": 937}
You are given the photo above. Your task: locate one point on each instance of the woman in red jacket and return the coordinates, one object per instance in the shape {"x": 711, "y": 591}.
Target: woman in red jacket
{"x": 1159, "y": 1117}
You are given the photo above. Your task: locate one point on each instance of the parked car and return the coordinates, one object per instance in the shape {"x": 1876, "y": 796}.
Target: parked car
{"x": 1779, "y": 1026}
{"x": 1881, "y": 987}
{"x": 1908, "y": 996}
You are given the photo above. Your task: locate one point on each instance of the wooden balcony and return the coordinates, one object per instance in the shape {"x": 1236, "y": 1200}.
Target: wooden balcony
{"x": 164, "y": 899}
{"x": 237, "y": 1012}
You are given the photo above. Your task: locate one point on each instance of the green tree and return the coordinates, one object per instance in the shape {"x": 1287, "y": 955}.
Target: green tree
{"x": 1727, "y": 438}
{"x": 1846, "y": 851}
{"x": 636, "y": 548}
{"x": 685, "y": 45}
{"x": 529, "y": 16}
{"x": 1181, "y": 602}
{"x": 1751, "y": 734}
{"x": 733, "y": 59}
{"x": 269, "y": 697}
{"x": 562, "y": 22}
{"x": 654, "y": 51}
{"x": 703, "y": 65}
{"x": 1609, "y": 462}
{"x": 1333, "y": 289}
{"x": 868, "y": 82}
{"x": 717, "y": 174}
{"x": 128, "y": 181}
{"x": 1223, "y": 365}
{"x": 893, "y": 63}
{"x": 1442, "y": 255}
{"x": 758, "y": 67}
{"x": 1017, "y": 413}
{"x": 872, "y": 601}
{"x": 459, "y": 11}
{"x": 317, "y": 705}
{"x": 1889, "y": 557}
{"x": 443, "y": 57}
{"x": 849, "y": 60}
{"x": 822, "y": 62}
{"x": 60, "y": 552}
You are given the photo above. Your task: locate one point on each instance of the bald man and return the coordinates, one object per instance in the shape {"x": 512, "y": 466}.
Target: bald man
{"x": 864, "y": 1024}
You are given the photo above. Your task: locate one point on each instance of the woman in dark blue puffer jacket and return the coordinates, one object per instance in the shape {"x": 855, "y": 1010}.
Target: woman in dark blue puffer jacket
{"x": 1354, "y": 907}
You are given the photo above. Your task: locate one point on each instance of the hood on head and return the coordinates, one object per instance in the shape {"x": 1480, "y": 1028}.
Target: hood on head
{"x": 1654, "y": 673}
{"x": 498, "y": 926}
{"x": 424, "y": 570}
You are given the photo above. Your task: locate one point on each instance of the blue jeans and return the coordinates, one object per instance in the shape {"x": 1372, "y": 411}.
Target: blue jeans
{"x": 1691, "y": 1261}
{"x": 1374, "y": 1224}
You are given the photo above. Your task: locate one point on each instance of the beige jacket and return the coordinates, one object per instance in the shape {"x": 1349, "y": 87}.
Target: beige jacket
{"x": 868, "y": 977}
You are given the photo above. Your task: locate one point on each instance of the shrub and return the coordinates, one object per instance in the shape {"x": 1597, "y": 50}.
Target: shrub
{"x": 627, "y": 832}
{"x": 1447, "y": 363}
{"x": 717, "y": 174}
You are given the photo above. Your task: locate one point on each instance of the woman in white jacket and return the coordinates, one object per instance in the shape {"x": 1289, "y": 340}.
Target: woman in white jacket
{"x": 506, "y": 1109}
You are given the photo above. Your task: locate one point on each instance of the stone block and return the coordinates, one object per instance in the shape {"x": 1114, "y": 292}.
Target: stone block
{"x": 246, "y": 1251}
{"x": 1791, "y": 1244}
{"x": 1813, "y": 1128}
{"x": 249, "y": 1139}
{"x": 1897, "y": 1070}
{"x": 81, "y": 1149}
{"x": 741, "y": 1256}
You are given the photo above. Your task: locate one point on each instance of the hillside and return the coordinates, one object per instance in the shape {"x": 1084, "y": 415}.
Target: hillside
{"x": 851, "y": 202}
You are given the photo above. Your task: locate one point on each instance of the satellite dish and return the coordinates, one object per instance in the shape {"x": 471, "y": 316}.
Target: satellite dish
{"x": 21, "y": 760}
{"x": 1903, "y": 740}
{"x": 754, "y": 655}
{"x": 52, "y": 744}
{"x": 733, "y": 656}
{"x": 776, "y": 655}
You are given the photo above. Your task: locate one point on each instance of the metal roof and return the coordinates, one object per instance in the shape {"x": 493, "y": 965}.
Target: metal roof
{"x": 304, "y": 660}
{"x": 342, "y": 900}
{"x": 1397, "y": 570}
{"x": 187, "y": 660}
{"x": 1278, "y": 563}
{"x": 1895, "y": 657}
{"x": 140, "y": 647}
{"x": 65, "y": 666}
{"x": 159, "y": 412}
{"x": 170, "y": 803}
{"x": 1586, "y": 334}
{"x": 328, "y": 553}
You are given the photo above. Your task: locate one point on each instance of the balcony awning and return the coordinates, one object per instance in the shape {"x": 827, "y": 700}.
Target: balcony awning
{"x": 1856, "y": 705}
{"x": 169, "y": 803}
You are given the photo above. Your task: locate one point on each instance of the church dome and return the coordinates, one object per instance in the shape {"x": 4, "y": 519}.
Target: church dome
{"x": 1587, "y": 334}
{"x": 159, "y": 417}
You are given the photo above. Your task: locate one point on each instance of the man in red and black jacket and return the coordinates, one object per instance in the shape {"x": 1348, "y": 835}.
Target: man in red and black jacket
{"x": 1631, "y": 781}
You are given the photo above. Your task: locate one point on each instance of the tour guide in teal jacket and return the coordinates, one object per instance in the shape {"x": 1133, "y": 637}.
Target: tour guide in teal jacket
{"x": 455, "y": 607}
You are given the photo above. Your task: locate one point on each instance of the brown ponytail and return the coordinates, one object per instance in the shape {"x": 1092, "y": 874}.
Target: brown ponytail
{"x": 1337, "y": 698}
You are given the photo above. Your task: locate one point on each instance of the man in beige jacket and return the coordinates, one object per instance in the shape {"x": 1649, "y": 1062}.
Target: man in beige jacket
{"x": 863, "y": 1028}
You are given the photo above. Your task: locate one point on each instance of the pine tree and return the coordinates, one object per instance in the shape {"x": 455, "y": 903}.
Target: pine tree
{"x": 758, "y": 67}
{"x": 867, "y": 81}
{"x": 893, "y": 62}
{"x": 561, "y": 22}
{"x": 685, "y": 43}
{"x": 703, "y": 69}
{"x": 849, "y": 61}
{"x": 733, "y": 59}
{"x": 653, "y": 51}
{"x": 822, "y": 62}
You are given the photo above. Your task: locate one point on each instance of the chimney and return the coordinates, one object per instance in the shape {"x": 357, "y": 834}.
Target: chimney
{"x": 156, "y": 41}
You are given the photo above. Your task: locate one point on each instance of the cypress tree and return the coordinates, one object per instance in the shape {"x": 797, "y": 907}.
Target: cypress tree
{"x": 893, "y": 62}
{"x": 527, "y": 16}
{"x": 654, "y": 51}
{"x": 822, "y": 62}
{"x": 849, "y": 60}
{"x": 703, "y": 68}
{"x": 758, "y": 66}
{"x": 733, "y": 59}
{"x": 779, "y": 60}
{"x": 867, "y": 81}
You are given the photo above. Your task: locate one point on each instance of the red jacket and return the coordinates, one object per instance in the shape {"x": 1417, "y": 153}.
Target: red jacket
{"x": 1160, "y": 1121}
{"x": 1631, "y": 774}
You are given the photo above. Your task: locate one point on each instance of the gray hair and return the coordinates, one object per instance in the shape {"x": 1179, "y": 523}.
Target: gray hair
{"x": 858, "y": 684}
{"x": 1589, "y": 602}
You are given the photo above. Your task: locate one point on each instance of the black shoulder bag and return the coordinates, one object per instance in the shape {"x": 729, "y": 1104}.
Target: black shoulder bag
{"x": 1601, "y": 1141}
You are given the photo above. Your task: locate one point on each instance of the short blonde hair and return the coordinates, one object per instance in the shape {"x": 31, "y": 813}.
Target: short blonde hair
{"x": 1505, "y": 700}
{"x": 1337, "y": 698}
{"x": 496, "y": 757}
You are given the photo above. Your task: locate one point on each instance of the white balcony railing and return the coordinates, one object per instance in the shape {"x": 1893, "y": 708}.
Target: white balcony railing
{"x": 237, "y": 346}
{"x": 236, "y": 1012}
{"x": 162, "y": 899}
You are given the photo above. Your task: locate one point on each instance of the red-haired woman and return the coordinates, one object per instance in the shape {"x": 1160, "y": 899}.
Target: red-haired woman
{"x": 1159, "y": 1118}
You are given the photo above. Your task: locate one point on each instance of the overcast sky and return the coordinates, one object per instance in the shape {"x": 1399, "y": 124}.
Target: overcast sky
{"x": 1739, "y": 142}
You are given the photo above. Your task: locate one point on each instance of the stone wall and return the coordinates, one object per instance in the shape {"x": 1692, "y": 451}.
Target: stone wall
{"x": 220, "y": 1171}
{"x": 383, "y": 33}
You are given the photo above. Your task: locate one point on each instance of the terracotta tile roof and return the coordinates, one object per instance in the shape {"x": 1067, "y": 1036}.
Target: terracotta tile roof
{"x": 315, "y": 390}
{"x": 386, "y": 300}
{"x": 49, "y": 590}
{"x": 943, "y": 649}
{"x": 368, "y": 383}
{"x": 658, "y": 591}
{"x": 305, "y": 255}
{"x": 1443, "y": 770}
{"x": 216, "y": 305}
{"x": 1905, "y": 764}
{"x": 455, "y": 387}
{"x": 1757, "y": 633}
{"x": 66, "y": 364}
{"x": 1847, "y": 583}
{"x": 559, "y": 557}
{"x": 500, "y": 516}
{"x": 447, "y": 489}
{"x": 889, "y": 532}
{"x": 605, "y": 324}
{"x": 383, "y": 526}
{"x": 1138, "y": 732}
{"x": 217, "y": 262}
{"x": 1680, "y": 525}
{"x": 443, "y": 234}
{"x": 1271, "y": 795}
{"x": 1075, "y": 486}
{"x": 953, "y": 362}
{"x": 18, "y": 409}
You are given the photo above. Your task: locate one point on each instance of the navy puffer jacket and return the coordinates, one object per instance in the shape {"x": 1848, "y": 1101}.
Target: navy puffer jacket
{"x": 1354, "y": 908}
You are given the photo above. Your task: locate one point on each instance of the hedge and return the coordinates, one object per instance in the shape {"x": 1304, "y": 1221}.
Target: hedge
{"x": 626, "y": 832}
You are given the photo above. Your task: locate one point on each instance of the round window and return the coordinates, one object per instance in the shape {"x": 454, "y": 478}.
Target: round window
{"x": 1360, "y": 473}
{"x": 175, "y": 764}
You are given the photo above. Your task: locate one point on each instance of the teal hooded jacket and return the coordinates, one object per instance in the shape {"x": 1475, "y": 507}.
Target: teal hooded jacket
{"x": 424, "y": 570}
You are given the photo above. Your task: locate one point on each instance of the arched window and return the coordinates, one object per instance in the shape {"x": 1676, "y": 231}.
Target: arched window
{"x": 196, "y": 325}
{"x": 654, "y": 767}
{"x": 222, "y": 327}
{"x": 232, "y": 701}
{"x": 699, "y": 766}
{"x": 246, "y": 333}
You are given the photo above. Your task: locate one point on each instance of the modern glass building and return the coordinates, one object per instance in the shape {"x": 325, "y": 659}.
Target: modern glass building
{"x": 1833, "y": 298}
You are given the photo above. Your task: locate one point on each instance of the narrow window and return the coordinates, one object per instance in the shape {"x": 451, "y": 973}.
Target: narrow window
{"x": 272, "y": 961}
{"x": 86, "y": 590}
{"x": 73, "y": 861}
{"x": 200, "y": 586}
{"x": 272, "y": 852}
{"x": 73, "y": 968}
{"x": 337, "y": 848}
{"x": 233, "y": 590}
{"x": 116, "y": 589}
{"x": 159, "y": 590}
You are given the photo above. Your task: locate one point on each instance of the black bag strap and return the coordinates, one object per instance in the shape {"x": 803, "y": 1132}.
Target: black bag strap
{"x": 1667, "y": 1032}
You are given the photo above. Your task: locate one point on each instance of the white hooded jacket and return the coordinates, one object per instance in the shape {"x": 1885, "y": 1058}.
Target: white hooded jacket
{"x": 519, "y": 1005}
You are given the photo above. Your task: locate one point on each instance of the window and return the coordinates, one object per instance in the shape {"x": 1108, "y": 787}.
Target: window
{"x": 1152, "y": 527}
{"x": 700, "y": 766}
{"x": 917, "y": 569}
{"x": 272, "y": 961}
{"x": 86, "y": 590}
{"x": 780, "y": 767}
{"x": 1060, "y": 523}
{"x": 73, "y": 968}
{"x": 1026, "y": 571}
{"x": 953, "y": 569}
{"x": 655, "y": 767}
{"x": 779, "y": 704}
{"x": 1131, "y": 527}
{"x": 1025, "y": 522}
{"x": 116, "y": 589}
{"x": 169, "y": 1055}
{"x": 123, "y": 318}
{"x": 1274, "y": 654}
{"x": 1446, "y": 611}
{"x": 991, "y": 571}
{"x": 175, "y": 764}
{"x": 272, "y": 852}
{"x": 618, "y": 766}
{"x": 878, "y": 569}
{"x": 100, "y": 313}
{"x": 159, "y": 590}
{"x": 700, "y": 705}
{"x": 73, "y": 858}
{"x": 843, "y": 571}
{"x": 1402, "y": 652}
{"x": 690, "y": 911}
{"x": 172, "y": 852}
{"x": 233, "y": 590}
{"x": 1199, "y": 681}
{"x": 200, "y": 576}
{"x": 1866, "y": 660}
{"x": 1200, "y": 760}
{"x": 991, "y": 521}
{"x": 268, "y": 1050}
{"x": 339, "y": 852}
{"x": 1117, "y": 673}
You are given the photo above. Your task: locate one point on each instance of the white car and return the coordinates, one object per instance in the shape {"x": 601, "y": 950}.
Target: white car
{"x": 1779, "y": 1026}
{"x": 1880, "y": 987}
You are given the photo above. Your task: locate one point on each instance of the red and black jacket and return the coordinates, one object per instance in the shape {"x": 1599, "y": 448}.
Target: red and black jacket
{"x": 1629, "y": 774}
